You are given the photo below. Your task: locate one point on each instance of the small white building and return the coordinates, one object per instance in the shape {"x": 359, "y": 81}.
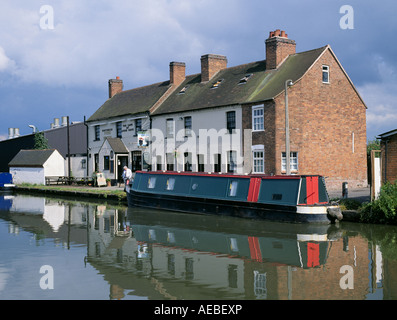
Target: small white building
{"x": 33, "y": 166}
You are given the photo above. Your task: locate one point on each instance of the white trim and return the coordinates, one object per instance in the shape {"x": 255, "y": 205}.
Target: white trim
{"x": 314, "y": 209}
{"x": 98, "y": 124}
{"x": 258, "y": 147}
{"x": 312, "y": 237}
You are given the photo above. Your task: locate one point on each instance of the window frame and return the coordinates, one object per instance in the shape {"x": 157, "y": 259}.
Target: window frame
{"x": 258, "y": 158}
{"x": 188, "y": 125}
{"x": 293, "y": 156}
{"x": 325, "y": 71}
{"x": 97, "y": 133}
{"x": 255, "y": 116}
{"x": 231, "y": 121}
{"x": 119, "y": 129}
{"x": 169, "y": 132}
{"x": 138, "y": 126}
{"x": 106, "y": 163}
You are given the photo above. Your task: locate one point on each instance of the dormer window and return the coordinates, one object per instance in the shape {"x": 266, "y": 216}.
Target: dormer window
{"x": 245, "y": 79}
{"x": 325, "y": 74}
{"x": 216, "y": 84}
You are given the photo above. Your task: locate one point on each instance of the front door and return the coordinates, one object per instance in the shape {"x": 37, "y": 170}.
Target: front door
{"x": 121, "y": 162}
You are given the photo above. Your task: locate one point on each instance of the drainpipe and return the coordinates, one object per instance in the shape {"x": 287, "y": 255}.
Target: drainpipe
{"x": 88, "y": 149}
{"x": 386, "y": 141}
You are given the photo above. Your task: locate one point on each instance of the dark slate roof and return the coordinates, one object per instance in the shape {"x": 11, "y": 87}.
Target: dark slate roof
{"x": 261, "y": 86}
{"x": 132, "y": 101}
{"x": 117, "y": 145}
{"x": 388, "y": 133}
{"x": 31, "y": 158}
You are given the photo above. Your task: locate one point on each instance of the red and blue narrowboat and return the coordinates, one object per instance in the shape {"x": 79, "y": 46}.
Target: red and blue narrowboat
{"x": 279, "y": 198}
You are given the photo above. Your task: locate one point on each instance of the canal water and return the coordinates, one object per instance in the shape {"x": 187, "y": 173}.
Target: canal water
{"x": 58, "y": 249}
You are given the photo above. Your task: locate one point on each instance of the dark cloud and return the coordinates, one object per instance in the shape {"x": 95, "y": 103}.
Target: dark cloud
{"x": 64, "y": 71}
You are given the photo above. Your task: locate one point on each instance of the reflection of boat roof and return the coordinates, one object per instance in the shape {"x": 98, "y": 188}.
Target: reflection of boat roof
{"x": 276, "y": 243}
{"x": 224, "y": 224}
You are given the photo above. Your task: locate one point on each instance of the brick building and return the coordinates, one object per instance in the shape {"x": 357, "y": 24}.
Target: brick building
{"x": 232, "y": 119}
{"x": 388, "y": 143}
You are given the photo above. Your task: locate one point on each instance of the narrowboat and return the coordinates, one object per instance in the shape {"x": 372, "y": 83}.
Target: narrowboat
{"x": 6, "y": 182}
{"x": 279, "y": 198}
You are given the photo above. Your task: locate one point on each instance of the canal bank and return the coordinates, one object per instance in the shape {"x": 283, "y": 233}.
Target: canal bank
{"x": 113, "y": 193}
{"x": 117, "y": 194}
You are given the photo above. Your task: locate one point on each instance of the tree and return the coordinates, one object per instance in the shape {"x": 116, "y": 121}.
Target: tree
{"x": 373, "y": 145}
{"x": 40, "y": 142}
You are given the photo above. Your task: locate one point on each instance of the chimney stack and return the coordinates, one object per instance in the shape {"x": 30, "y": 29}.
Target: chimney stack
{"x": 10, "y": 133}
{"x": 177, "y": 73}
{"x": 278, "y": 47}
{"x": 115, "y": 86}
{"x": 16, "y": 132}
{"x": 211, "y": 64}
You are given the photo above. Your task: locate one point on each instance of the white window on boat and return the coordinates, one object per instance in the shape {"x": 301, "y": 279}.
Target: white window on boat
{"x": 151, "y": 182}
{"x": 258, "y": 158}
{"x": 233, "y": 244}
{"x": 293, "y": 161}
{"x": 170, "y": 184}
{"x": 257, "y": 118}
{"x": 233, "y": 188}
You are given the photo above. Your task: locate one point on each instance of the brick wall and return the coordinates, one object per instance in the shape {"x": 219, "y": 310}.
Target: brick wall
{"x": 327, "y": 126}
{"x": 277, "y": 49}
{"x": 323, "y": 119}
{"x": 115, "y": 86}
{"x": 389, "y": 159}
{"x": 266, "y": 137}
{"x": 211, "y": 64}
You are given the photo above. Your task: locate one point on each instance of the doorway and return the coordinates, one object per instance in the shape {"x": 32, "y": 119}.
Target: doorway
{"x": 121, "y": 162}
{"x": 136, "y": 157}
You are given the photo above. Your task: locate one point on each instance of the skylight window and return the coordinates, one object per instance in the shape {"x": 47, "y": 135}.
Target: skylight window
{"x": 183, "y": 90}
{"x": 245, "y": 79}
{"x": 216, "y": 84}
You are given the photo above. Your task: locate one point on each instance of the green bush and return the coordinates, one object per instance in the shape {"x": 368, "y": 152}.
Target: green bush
{"x": 383, "y": 209}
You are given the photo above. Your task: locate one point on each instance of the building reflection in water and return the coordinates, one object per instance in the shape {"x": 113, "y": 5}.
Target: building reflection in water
{"x": 163, "y": 255}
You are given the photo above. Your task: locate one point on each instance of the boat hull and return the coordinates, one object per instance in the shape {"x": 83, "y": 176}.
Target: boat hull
{"x": 249, "y": 210}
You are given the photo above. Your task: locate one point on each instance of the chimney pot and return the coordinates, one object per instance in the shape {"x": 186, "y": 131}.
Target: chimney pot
{"x": 283, "y": 33}
{"x": 277, "y": 33}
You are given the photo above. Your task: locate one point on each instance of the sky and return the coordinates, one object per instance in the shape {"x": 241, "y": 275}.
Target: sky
{"x": 56, "y": 57}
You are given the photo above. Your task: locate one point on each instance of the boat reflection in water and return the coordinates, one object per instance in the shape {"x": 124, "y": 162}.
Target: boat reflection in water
{"x": 206, "y": 257}
{"x": 151, "y": 254}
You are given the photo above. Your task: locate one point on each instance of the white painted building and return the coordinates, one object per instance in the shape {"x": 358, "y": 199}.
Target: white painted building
{"x": 198, "y": 141}
{"x": 33, "y": 166}
{"x": 118, "y": 130}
